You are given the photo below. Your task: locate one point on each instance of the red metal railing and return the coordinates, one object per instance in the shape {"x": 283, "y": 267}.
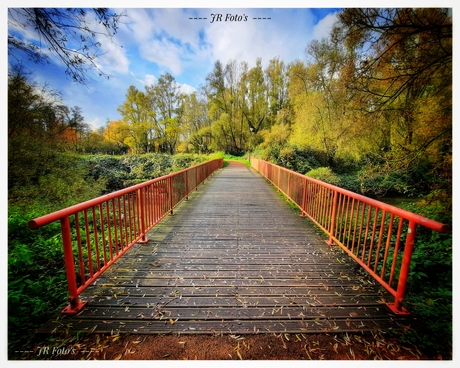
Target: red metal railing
{"x": 97, "y": 232}
{"x": 378, "y": 236}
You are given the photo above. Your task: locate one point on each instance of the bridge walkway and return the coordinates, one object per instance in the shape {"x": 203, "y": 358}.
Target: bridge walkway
{"x": 235, "y": 258}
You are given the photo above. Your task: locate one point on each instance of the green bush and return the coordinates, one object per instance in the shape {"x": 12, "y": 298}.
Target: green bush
{"x": 123, "y": 171}
{"x": 65, "y": 183}
{"x": 429, "y": 288}
{"x": 36, "y": 276}
{"x": 291, "y": 157}
{"x": 374, "y": 183}
{"x": 350, "y": 182}
{"x": 324, "y": 174}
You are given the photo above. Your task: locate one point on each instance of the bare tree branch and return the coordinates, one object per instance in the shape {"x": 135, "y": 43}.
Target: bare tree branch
{"x": 68, "y": 34}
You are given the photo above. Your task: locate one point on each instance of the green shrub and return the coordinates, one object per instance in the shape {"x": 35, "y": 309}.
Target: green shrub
{"x": 36, "y": 276}
{"x": 123, "y": 171}
{"x": 65, "y": 184}
{"x": 218, "y": 154}
{"x": 429, "y": 288}
{"x": 324, "y": 174}
{"x": 350, "y": 182}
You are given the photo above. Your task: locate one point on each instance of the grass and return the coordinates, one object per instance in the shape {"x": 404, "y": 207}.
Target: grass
{"x": 228, "y": 157}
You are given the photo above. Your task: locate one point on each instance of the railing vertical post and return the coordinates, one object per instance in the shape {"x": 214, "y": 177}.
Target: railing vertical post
{"x": 304, "y": 198}
{"x": 334, "y": 214}
{"x": 141, "y": 199}
{"x": 75, "y": 304}
{"x": 397, "y": 307}
{"x": 170, "y": 185}
{"x": 279, "y": 178}
{"x": 289, "y": 186}
{"x": 186, "y": 185}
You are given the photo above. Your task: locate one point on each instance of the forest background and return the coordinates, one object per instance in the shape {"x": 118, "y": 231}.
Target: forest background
{"x": 368, "y": 109}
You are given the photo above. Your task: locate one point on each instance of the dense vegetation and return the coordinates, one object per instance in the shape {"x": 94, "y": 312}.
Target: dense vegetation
{"x": 369, "y": 109}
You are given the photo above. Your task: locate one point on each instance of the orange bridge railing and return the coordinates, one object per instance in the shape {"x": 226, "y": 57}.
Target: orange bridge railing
{"x": 97, "y": 232}
{"x": 378, "y": 236}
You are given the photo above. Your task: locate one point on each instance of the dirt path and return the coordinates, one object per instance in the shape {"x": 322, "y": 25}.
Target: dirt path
{"x": 363, "y": 346}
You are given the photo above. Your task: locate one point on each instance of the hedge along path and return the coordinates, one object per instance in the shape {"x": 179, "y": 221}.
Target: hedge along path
{"x": 235, "y": 258}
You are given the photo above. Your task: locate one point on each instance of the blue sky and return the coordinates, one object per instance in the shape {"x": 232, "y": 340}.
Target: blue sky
{"x": 151, "y": 41}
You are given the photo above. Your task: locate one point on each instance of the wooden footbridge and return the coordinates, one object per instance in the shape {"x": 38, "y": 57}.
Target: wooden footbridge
{"x": 233, "y": 258}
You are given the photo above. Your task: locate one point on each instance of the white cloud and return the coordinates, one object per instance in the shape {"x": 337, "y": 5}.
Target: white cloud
{"x": 137, "y": 27}
{"x": 168, "y": 38}
{"x": 16, "y": 22}
{"x": 164, "y": 53}
{"x": 324, "y": 26}
{"x": 185, "y": 88}
{"x": 162, "y": 36}
{"x": 178, "y": 25}
{"x": 113, "y": 59}
{"x": 148, "y": 80}
{"x": 285, "y": 35}
{"x": 165, "y": 36}
{"x": 95, "y": 123}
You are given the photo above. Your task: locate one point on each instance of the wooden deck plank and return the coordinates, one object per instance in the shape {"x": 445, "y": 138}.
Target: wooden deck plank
{"x": 235, "y": 258}
{"x": 110, "y": 290}
{"x": 228, "y": 313}
{"x": 164, "y": 326}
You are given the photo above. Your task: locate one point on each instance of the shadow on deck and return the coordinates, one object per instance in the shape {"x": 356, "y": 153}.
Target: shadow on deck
{"x": 235, "y": 258}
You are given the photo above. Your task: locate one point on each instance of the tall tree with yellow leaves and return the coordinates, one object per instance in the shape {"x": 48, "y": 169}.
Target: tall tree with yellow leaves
{"x": 404, "y": 81}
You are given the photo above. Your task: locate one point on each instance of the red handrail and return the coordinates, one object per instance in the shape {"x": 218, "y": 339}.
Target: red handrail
{"x": 97, "y": 232}
{"x": 370, "y": 231}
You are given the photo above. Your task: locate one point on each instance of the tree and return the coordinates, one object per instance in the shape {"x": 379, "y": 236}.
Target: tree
{"x": 223, "y": 98}
{"x": 238, "y": 104}
{"x": 35, "y": 114}
{"x": 167, "y": 103}
{"x": 276, "y": 80}
{"x": 138, "y": 114}
{"x": 197, "y": 124}
{"x": 403, "y": 77}
{"x": 116, "y": 134}
{"x": 254, "y": 102}
{"x": 216, "y": 90}
{"x": 321, "y": 102}
{"x": 39, "y": 137}
{"x": 413, "y": 44}
{"x": 67, "y": 33}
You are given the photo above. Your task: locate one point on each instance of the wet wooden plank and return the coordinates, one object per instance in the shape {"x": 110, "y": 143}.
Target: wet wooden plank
{"x": 228, "y": 313}
{"x": 146, "y": 326}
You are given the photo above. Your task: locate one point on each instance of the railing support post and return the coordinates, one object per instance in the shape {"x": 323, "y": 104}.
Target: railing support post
{"x": 304, "y": 199}
{"x": 75, "y": 304}
{"x": 397, "y": 307}
{"x": 334, "y": 214}
{"x": 170, "y": 185}
{"x": 289, "y": 186}
{"x": 278, "y": 182}
{"x": 186, "y": 185}
{"x": 141, "y": 199}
